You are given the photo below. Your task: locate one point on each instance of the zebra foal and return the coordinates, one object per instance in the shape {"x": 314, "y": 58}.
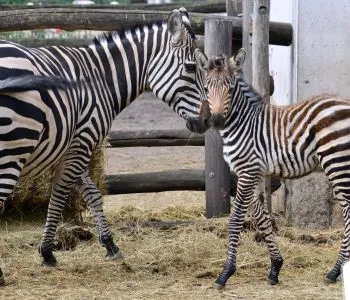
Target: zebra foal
{"x": 59, "y": 128}
{"x": 261, "y": 140}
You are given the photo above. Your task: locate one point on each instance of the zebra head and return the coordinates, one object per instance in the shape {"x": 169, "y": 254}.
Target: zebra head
{"x": 176, "y": 74}
{"x": 219, "y": 87}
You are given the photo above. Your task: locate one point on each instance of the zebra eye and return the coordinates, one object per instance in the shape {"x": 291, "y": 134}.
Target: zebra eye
{"x": 230, "y": 89}
{"x": 206, "y": 89}
{"x": 190, "y": 67}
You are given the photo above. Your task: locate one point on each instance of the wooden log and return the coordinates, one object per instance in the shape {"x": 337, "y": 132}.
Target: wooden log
{"x": 198, "y": 6}
{"x": 174, "y": 180}
{"x": 260, "y": 63}
{"x": 150, "y": 138}
{"x": 247, "y": 27}
{"x": 217, "y": 173}
{"x": 109, "y": 19}
{"x": 153, "y": 182}
{"x": 260, "y": 48}
{"x": 233, "y": 7}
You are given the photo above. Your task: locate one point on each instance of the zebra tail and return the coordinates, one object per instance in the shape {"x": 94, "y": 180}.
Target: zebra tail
{"x": 33, "y": 82}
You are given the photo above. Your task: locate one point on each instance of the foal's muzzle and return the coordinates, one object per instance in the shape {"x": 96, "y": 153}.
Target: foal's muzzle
{"x": 217, "y": 121}
{"x": 198, "y": 125}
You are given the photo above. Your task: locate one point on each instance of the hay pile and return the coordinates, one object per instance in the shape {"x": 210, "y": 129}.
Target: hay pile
{"x": 31, "y": 196}
{"x": 180, "y": 261}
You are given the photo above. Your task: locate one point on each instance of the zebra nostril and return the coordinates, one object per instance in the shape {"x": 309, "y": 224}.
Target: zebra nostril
{"x": 217, "y": 121}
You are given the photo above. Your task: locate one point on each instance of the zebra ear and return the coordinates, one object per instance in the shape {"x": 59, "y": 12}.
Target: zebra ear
{"x": 201, "y": 59}
{"x": 235, "y": 62}
{"x": 176, "y": 27}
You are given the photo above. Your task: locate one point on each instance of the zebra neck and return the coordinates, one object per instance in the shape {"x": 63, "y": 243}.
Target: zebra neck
{"x": 246, "y": 105}
{"x": 125, "y": 57}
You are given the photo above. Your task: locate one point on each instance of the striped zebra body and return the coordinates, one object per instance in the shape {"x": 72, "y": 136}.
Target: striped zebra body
{"x": 265, "y": 140}
{"x": 58, "y": 127}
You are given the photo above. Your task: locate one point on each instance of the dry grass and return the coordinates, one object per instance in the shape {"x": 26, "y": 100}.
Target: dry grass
{"x": 174, "y": 253}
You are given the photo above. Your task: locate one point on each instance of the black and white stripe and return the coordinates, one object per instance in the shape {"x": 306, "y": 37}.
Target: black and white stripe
{"x": 59, "y": 126}
{"x": 266, "y": 140}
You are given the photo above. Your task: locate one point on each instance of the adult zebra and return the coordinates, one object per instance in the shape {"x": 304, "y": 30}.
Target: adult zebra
{"x": 262, "y": 140}
{"x": 60, "y": 128}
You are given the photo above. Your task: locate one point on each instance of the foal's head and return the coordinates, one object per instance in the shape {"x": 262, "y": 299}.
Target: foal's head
{"x": 218, "y": 85}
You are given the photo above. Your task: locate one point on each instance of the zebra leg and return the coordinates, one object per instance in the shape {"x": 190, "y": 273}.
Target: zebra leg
{"x": 245, "y": 192}
{"x": 65, "y": 177}
{"x": 344, "y": 254}
{"x": 2, "y": 279}
{"x": 263, "y": 221}
{"x": 93, "y": 199}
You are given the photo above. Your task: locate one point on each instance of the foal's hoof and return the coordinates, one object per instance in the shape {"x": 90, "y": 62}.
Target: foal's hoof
{"x": 2, "y": 279}
{"x": 218, "y": 286}
{"x": 332, "y": 276}
{"x": 115, "y": 256}
{"x": 48, "y": 258}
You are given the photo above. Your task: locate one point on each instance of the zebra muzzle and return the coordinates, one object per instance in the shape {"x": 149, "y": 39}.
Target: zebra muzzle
{"x": 217, "y": 121}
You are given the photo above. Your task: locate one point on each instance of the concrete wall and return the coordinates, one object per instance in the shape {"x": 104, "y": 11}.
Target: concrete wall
{"x": 321, "y": 64}
{"x": 322, "y": 56}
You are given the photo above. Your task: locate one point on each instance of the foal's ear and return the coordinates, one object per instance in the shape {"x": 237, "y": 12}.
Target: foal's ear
{"x": 201, "y": 59}
{"x": 176, "y": 25}
{"x": 235, "y": 62}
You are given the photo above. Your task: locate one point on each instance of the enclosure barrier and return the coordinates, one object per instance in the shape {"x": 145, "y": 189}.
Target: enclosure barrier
{"x": 174, "y": 180}
{"x": 108, "y": 19}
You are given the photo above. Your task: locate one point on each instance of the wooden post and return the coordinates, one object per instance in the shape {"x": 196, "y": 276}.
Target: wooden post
{"x": 233, "y": 7}
{"x": 260, "y": 62}
{"x": 247, "y": 28}
{"x": 217, "y": 40}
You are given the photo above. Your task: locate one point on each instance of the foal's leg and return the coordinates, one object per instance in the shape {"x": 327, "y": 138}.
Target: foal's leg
{"x": 245, "y": 192}
{"x": 263, "y": 221}
{"x": 344, "y": 254}
{"x": 93, "y": 199}
{"x": 2, "y": 279}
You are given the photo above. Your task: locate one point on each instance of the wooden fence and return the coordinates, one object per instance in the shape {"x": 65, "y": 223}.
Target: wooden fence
{"x": 216, "y": 180}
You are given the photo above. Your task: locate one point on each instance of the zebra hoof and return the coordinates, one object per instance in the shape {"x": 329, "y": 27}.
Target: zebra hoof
{"x": 273, "y": 281}
{"x": 276, "y": 266}
{"x": 218, "y": 286}
{"x": 115, "y": 256}
{"x": 2, "y": 279}
{"x": 332, "y": 276}
{"x": 48, "y": 258}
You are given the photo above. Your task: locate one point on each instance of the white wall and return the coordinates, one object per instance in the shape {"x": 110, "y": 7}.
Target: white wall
{"x": 281, "y": 56}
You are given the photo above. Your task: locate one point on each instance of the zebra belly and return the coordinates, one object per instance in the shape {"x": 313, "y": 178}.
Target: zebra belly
{"x": 44, "y": 158}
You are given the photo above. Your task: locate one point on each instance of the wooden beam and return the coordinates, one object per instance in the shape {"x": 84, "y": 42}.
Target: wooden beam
{"x": 217, "y": 173}
{"x": 109, "y": 19}
{"x": 174, "y": 180}
{"x": 260, "y": 63}
{"x": 247, "y": 39}
{"x": 144, "y": 138}
{"x": 198, "y": 6}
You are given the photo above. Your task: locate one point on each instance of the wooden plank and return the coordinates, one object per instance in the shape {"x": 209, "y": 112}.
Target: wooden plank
{"x": 198, "y": 6}
{"x": 260, "y": 63}
{"x": 174, "y": 180}
{"x": 217, "y": 173}
{"x": 144, "y": 138}
{"x": 109, "y": 19}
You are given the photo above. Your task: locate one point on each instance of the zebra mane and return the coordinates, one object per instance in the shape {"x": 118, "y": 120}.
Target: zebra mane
{"x": 122, "y": 32}
{"x": 218, "y": 62}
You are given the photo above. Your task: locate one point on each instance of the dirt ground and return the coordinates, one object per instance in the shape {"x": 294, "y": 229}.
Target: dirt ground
{"x": 171, "y": 251}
